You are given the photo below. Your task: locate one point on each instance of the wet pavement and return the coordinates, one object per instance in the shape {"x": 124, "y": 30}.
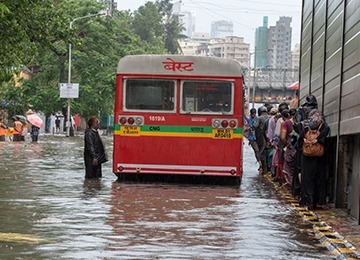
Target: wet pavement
{"x": 332, "y": 227}
{"x": 48, "y": 211}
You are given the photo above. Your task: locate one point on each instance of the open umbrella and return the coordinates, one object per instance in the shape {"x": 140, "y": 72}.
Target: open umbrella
{"x": 294, "y": 86}
{"x": 35, "y": 120}
{"x": 22, "y": 119}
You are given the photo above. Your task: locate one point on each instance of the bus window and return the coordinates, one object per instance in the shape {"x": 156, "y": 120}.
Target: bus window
{"x": 147, "y": 94}
{"x": 207, "y": 97}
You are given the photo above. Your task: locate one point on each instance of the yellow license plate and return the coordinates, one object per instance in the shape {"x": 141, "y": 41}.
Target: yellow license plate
{"x": 130, "y": 130}
{"x": 222, "y": 133}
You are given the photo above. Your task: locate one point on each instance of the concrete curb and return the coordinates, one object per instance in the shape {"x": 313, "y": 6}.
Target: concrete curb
{"x": 330, "y": 238}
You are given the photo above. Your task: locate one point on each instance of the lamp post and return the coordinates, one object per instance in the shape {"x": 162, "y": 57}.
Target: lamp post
{"x": 256, "y": 71}
{"x": 68, "y": 122}
{"x": 253, "y": 103}
{"x": 248, "y": 91}
{"x": 254, "y": 79}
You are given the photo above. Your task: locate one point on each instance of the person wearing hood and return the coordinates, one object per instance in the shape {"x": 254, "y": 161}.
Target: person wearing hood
{"x": 313, "y": 174}
{"x": 302, "y": 112}
{"x": 94, "y": 150}
{"x": 300, "y": 116}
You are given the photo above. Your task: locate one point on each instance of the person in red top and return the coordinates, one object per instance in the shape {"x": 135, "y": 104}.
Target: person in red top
{"x": 3, "y": 129}
{"x": 18, "y": 128}
{"x": 282, "y": 145}
{"x": 290, "y": 151}
{"x": 77, "y": 119}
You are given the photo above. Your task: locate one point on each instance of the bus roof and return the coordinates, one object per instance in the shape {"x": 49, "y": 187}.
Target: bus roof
{"x": 179, "y": 65}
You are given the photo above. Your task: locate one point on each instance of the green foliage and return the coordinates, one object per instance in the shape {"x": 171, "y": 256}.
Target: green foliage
{"x": 3, "y": 9}
{"x": 172, "y": 26}
{"x": 36, "y": 34}
{"x": 172, "y": 34}
{"x": 147, "y": 23}
{"x": 27, "y": 26}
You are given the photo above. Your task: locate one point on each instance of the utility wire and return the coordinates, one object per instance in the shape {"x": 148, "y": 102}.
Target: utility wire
{"x": 245, "y": 9}
{"x": 226, "y": 17}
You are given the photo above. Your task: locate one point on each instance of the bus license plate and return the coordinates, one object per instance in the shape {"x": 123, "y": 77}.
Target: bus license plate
{"x": 130, "y": 130}
{"x": 222, "y": 133}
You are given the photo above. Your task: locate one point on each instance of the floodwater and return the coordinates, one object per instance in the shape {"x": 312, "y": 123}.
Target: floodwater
{"x": 48, "y": 211}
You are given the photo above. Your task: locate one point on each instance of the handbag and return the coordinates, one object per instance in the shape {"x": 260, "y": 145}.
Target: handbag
{"x": 310, "y": 147}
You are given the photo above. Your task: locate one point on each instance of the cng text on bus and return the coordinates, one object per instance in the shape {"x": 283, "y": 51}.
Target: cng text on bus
{"x": 197, "y": 129}
{"x": 222, "y": 133}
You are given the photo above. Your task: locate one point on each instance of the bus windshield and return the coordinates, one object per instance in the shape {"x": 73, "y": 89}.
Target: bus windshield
{"x": 147, "y": 94}
{"x": 207, "y": 96}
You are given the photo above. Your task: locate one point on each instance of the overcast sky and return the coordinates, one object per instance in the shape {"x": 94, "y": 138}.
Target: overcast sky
{"x": 246, "y": 15}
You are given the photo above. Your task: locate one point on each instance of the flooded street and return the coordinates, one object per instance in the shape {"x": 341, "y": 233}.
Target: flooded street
{"x": 48, "y": 211}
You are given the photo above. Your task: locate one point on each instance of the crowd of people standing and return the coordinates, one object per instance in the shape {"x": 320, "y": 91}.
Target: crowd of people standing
{"x": 18, "y": 129}
{"x": 289, "y": 143}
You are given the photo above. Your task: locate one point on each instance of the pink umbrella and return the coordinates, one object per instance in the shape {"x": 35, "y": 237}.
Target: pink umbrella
{"x": 35, "y": 120}
{"x": 294, "y": 86}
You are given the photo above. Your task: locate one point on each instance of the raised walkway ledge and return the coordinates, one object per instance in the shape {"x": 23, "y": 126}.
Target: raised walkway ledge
{"x": 332, "y": 227}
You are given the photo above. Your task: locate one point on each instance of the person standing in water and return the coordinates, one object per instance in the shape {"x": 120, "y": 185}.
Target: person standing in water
{"x": 94, "y": 150}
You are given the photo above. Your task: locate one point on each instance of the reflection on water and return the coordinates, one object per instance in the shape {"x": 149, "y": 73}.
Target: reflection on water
{"x": 43, "y": 194}
{"x": 206, "y": 222}
{"x": 92, "y": 187}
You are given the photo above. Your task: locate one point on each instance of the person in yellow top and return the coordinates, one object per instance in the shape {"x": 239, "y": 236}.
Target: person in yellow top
{"x": 3, "y": 128}
{"x": 18, "y": 128}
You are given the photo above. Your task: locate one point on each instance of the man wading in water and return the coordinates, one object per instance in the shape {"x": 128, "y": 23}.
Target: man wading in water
{"x": 94, "y": 151}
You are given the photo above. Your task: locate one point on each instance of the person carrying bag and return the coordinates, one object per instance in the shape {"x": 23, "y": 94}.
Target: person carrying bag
{"x": 311, "y": 146}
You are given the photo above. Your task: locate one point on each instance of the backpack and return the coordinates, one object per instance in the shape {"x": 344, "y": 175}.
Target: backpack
{"x": 309, "y": 147}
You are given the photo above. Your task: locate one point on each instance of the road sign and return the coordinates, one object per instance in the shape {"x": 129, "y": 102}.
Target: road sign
{"x": 69, "y": 90}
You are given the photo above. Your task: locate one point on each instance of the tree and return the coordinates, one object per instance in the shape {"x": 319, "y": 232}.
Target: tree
{"x": 97, "y": 45}
{"x": 27, "y": 26}
{"x": 173, "y": 32}
{"x": 3, "y": 9}
{"x": 172, "y": 26}
{"x": 147, "y": 23}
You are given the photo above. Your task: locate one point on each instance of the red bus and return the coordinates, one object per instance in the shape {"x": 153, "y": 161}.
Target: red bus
{"x": 178, "y": 115}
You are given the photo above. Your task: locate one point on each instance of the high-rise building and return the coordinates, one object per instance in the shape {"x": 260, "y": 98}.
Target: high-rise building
{"x": 221, "y": 29}
{"x": 295, "y": 60}
{"x": 279, "y": 44}
{"x": 261, "y": 45}
{"x": 231, "y": 47}
{"x": 186, "y": 18}
{"x": 189, "y": 47}
{"x": 273, "y": 44}
{"x": 196, "y": 45}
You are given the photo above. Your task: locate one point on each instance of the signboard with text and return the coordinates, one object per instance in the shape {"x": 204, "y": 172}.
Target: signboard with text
{"x": 69, "y": 90}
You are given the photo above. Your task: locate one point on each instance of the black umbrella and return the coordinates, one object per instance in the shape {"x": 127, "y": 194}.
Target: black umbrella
{"x": 22, "y": 119}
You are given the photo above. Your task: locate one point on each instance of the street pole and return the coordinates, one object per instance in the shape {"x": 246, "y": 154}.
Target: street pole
{"x": 249, "y": 71}
{"x": 68, "y": 121}
{"x": 69, "y": 82}
{"x": 254, "y": 81}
